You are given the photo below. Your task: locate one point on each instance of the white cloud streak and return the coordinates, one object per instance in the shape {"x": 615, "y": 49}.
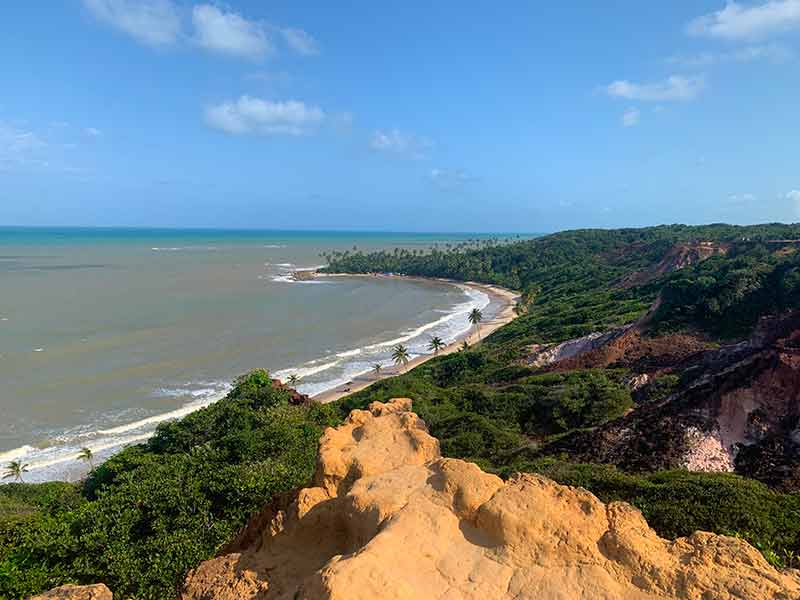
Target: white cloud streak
{"x": 744, "y": 198}
{"x": 249, "y": 115}
{"x": 794, "y": 197}
{"x": 631, "y": 117}
{"x": 775, "y": 53}
{"x": 229, "y": 33}
{"x": 159, "y": 23}
{"x": 450, "y": 179}
{"x": 152, "y": 22}
{"x": 20, "y": 148}
{"x": 674, "y": 88}
{"x": 739, "y": 22}
{"x": 300, "y": 41}
{"x": 400, "y": 143}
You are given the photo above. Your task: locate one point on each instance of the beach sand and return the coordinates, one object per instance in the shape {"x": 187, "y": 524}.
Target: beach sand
{"x": 501, "y": 307}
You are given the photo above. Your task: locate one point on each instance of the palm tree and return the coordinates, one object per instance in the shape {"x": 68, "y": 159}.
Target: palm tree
{"x": 464, "y": 346}
{"x": 400, "y": 355}
{"x": 436, "y": 344}
{"x": 15, "y": 469}
{"x": 87, "y": 455}
{"x": 293, "y": 379}
{"x": 376, "y": 368}
{"x": 475, "y": 317}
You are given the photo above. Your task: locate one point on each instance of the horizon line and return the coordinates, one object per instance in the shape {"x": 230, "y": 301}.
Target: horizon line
{"x": 261, "y": 229}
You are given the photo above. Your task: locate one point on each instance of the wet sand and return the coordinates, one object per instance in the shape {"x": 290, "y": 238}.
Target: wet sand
{"x": 501, "y": 307}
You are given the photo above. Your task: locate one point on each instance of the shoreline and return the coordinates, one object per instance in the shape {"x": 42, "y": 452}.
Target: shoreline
{"x": 501, "y": 306}
{"x": 504, "y": 299}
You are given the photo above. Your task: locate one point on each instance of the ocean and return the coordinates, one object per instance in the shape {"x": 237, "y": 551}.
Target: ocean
{"x": 105, "y": 333}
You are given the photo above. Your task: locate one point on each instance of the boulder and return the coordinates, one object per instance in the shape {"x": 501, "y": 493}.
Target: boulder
{"x": 97, "y": 591}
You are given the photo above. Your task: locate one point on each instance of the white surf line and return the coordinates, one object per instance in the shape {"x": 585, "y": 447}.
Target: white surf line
{"x": 478, "y": 298}
{"x": 74, "y": 455}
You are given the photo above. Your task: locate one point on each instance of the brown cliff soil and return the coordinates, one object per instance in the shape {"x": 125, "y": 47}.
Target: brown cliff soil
{"x": 677, "y": 257}
{"x": 76, "y": 592}
{"x": 295, "y": 397}
{"x": 387, "y": 517}
{"x": 634, "y": 351}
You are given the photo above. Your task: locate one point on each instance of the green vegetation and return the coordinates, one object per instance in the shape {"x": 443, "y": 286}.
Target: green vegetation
{"x": 725, "y": 296}
{"x": 484, "y": 412}
{"x": 153, "y": 511}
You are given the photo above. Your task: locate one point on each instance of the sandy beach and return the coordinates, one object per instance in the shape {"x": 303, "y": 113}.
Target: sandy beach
{"x": 501, "y": 310}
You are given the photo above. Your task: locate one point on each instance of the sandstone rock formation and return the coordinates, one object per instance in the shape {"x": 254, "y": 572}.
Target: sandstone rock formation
{"x": 388, "y": 518}
{"x": 76, "y": 592}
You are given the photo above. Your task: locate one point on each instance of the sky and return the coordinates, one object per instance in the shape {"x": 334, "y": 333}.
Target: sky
{"x": 399, "y": 116}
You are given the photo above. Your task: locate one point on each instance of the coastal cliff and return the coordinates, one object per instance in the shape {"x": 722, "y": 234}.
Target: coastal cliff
{"x": 387, "y": 516}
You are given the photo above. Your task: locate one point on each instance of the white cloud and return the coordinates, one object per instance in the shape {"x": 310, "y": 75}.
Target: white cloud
{"x": 263, "y": 117}
{"x": 738, "y": 22}
{"x": 93, "y": 132}
{"x": 229, "y": 33}
{"x": 631, "y": 117}
{"x": 300, "y": 41}
{"x": 745, "y": 198}
{"x": 399, "y": 143}
{"x": 794, "y": 198}
{"x": 271, "y": 78}
{"x": 13, "y": 139}
{"x": 449, "y": 179}
{"x": 152, "y": 22}
{"x": 772, "y": 52}
{"x": 20, "y": 147}
{"x": 701, "y": 60}
{"x": 675, "y": 87}
{"x": 160, "y": 23}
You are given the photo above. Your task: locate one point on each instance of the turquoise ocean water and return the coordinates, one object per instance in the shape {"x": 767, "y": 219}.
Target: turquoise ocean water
{"x": 104, "y": 333}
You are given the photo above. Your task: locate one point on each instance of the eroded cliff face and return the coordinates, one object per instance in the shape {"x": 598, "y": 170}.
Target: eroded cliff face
{"x": 678, "y": 257}
{"x": 388, "y": 518}
{"x": 738, "y": 410}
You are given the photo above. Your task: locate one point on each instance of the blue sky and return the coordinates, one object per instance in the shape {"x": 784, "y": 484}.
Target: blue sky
{"x": 423, "y": 116}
